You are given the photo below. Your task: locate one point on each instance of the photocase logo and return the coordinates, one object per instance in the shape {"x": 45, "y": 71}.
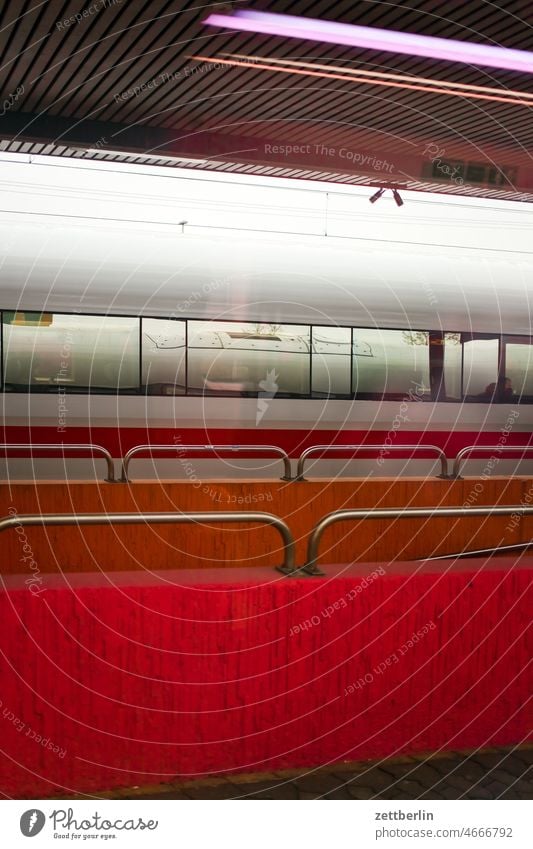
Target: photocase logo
{"x": 269, "y": 388}
{"x": 32, "y": 822}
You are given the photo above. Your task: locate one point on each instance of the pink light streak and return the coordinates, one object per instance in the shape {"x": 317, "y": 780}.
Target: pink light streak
{"x": 433, "y": 87}
{"x": 375, "y": 39}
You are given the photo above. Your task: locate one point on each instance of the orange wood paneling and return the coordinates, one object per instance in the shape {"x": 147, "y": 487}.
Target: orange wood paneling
{"x": 300, "y": 504}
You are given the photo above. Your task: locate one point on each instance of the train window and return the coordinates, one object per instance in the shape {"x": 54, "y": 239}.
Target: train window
{"x": 47, "y": 352}
{"x": 227, "y": 357}
{"x": 519, "y": 367}
{"x": 391, "y": 362}
{"x": 453, "y": 358}
{"x": 331, "y": 361}
{"x": 163, "y": 356}
{"x": 480, "y": 368}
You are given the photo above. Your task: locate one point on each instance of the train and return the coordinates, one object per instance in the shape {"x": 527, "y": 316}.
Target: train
{"x": 166, "y": 305}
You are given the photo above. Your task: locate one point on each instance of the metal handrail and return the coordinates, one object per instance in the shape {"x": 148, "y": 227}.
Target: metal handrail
{"x": 315, "y": 449}
{"x": 61, "y": 447}
{"x": 161, "y": 449}
{"x": 486, "y": 449}
{"x": 289, "y": 546}
{"x": 310, "y": 566}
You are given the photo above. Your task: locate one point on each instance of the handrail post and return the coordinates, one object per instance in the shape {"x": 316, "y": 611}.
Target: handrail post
{"x": 233, "y": 517}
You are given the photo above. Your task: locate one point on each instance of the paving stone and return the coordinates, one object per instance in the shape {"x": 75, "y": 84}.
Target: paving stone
{"x": 257, "y": 777}
{"x": 459, "y": 782}
{"x": 510, "y": 793}
{"x": 398, "y": 794}
{"x": 224, "y": 791}
{"x": 399, "y": 770}
{"x": 426, "y": 775}
{"x": 446, "y": 765}
{"x": 340, "y": 793}
{"x": 357, "y": 792}
{"x": 480, "y": 775}
{"x": 317, "y": 783}
{"x": 504, "y": 776}
{"x": 525, "y": 755}
{"x": 478, "y": 793}
{"x": 450, "y": 792}
{"x": 172, "y": 794}
{"x": 523, "y": 786}
{"x": 378, "y": 779}
{"x": 495, "y": 788}
{"x": 471, "y": 771}
{"x": 268, "y": 791}
{"x": 343, "y": 777}
{"x": 414, "y": 788}
{"x": 490, "y": 760}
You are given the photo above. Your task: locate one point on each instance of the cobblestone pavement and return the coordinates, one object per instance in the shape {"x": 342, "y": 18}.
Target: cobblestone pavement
{"x": 487, "y": 774}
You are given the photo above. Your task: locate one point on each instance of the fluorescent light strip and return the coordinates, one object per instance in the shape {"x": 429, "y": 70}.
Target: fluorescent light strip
{"x": 141, "y": 155}
{"x": 338, "y": 75}
{"x": 383, "y": 75}
{"x": 375, "y": 39}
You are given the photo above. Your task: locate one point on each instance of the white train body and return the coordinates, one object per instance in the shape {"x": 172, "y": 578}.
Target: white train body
{"x": 309, "y": 314}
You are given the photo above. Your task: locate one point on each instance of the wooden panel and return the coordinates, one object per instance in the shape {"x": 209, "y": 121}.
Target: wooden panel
{"x": 300, "y": 504}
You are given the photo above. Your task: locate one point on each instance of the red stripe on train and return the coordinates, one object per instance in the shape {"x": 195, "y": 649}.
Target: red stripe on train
{"x": 118, "y": 440}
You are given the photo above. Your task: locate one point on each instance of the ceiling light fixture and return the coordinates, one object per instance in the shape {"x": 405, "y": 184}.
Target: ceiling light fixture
{"x": 381, "y": 191}
{"x": 373, "y": 38}
{"x": 397, "y": 198}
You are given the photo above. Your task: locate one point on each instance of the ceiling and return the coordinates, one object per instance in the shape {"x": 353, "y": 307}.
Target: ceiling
{"x": 121, "y": 77}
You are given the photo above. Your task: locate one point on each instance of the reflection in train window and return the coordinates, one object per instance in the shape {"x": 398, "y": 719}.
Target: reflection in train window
{"x": 163, "y": 356}
{"x": 331, "y": 356}
{"x": 248, "y": 358}
{"x": 480, "y": 368}
{"x": 88, "y": 352}
{"x": 519, "y": 367}
{"x": 391, "y": 362}
{"x": 48, "y": 352}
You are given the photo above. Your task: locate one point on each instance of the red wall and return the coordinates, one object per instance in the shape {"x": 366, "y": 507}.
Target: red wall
{"x": 140, "y": 681}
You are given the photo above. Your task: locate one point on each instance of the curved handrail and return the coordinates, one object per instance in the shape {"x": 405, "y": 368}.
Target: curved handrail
{"x": 394, "y": 513}
{"x": 325, "y": 449}
{"x": 60, "y": 449}
{"x": 486, "y": 449}
{"x": 289, "y": 545}
{"x": 161, "y": 449}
